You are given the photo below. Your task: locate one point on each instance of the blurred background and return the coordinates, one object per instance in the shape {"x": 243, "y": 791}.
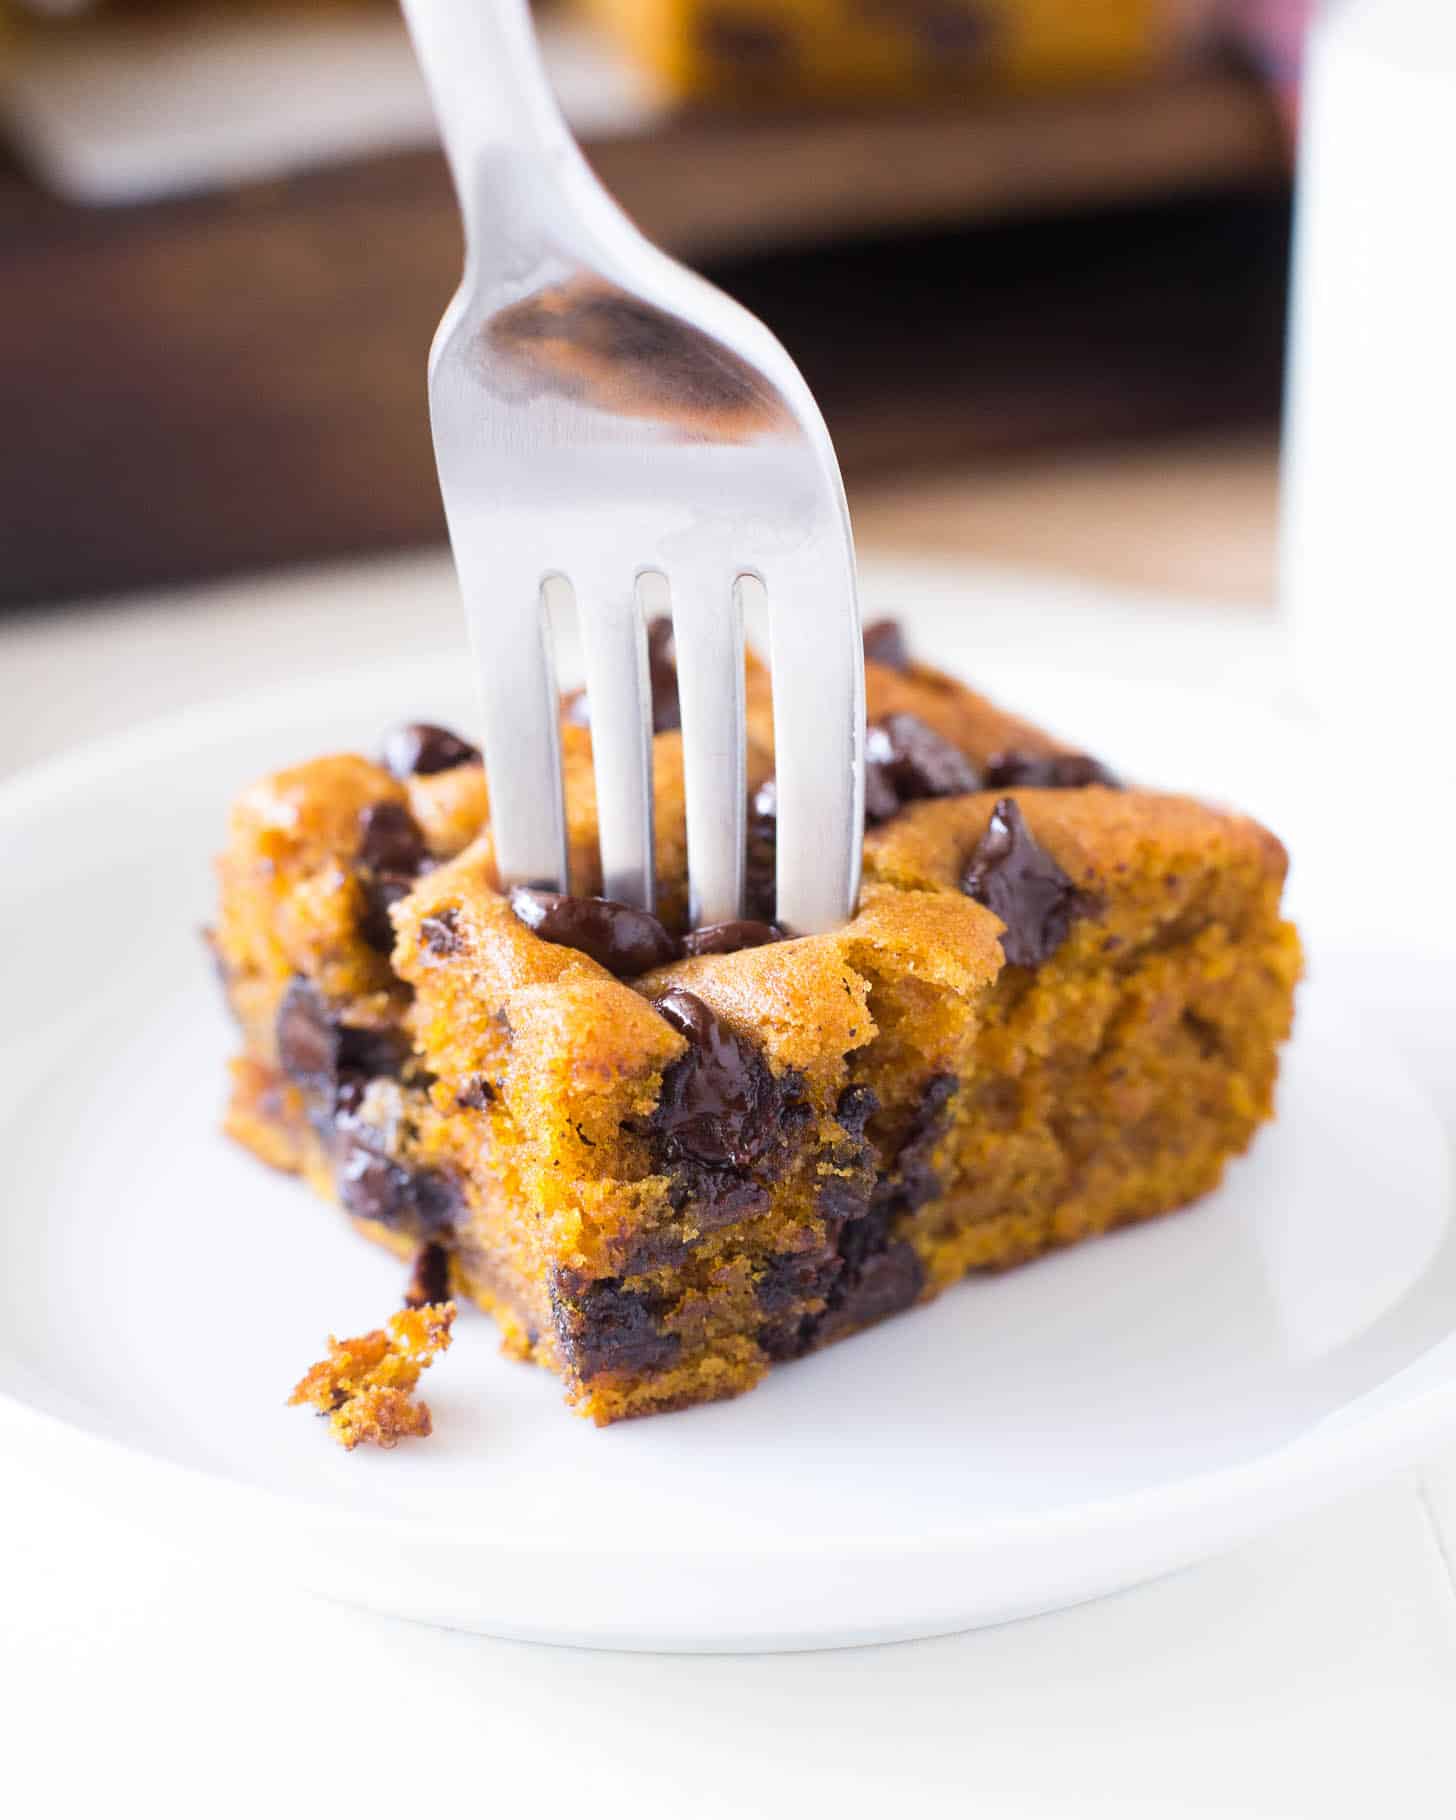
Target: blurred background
{"x": 1031, "y": 255}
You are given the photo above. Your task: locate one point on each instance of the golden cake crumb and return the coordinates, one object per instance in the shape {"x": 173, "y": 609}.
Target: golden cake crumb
{"x": 364, "y": 1384}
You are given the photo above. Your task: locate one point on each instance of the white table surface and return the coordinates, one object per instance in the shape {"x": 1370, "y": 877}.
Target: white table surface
{"x": 1312, "y": 1673}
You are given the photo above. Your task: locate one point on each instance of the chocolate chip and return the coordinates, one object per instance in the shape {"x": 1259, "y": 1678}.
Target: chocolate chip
{"x": 743, "y": 39}
{"x": 307, "y": 1036}
{"x": 908, "y": 1181}
{"x": 760, "y": 889}
{"x": 1019, "y": 880}
{"x": 662, "y": 678}
{"x": 884, "y": 644}
{"x": 391, "y": 854}
{"x": 475, "y": 1095}
{"x": 662, "y": 672}
{"x": 1047, "y": 771}
{"x": 881, "y": 798}
{"x": 624, "y": 940}
{"x": 389, "y": 840}
{"x": 607, "y": 1327}
{"x": 795, "y": 1276}
{"x": 420, "y": 750}
{"x": 321, "y": 1054}
{"x": 381, "y": 894}
{"x": 730, "y": 937}
{"x": 906, "y": 761}
{"x": 440, "y": 935}
{"x": 856, "y": 1106}
{"x": 952, "y": 31}
{"x": 720, "y": 1105}
{"x": 883, "y": 1284}
{"x": 373, "y": 1186}
{"x": 430, "y": 1277}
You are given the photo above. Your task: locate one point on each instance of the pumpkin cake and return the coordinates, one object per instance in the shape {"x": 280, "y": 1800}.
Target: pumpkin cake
{"x": 668, "y": 1159}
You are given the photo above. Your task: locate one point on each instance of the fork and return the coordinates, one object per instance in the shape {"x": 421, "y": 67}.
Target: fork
{"x": 601, "y": 414}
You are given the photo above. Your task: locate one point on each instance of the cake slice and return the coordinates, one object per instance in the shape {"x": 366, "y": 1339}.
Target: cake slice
{"x": 666, "y": 1160}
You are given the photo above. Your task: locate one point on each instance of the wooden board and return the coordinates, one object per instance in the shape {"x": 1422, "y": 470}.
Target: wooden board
{"x": 231, "y": 382}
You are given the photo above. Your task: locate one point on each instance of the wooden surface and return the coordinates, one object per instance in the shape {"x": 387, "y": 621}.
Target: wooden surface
{"x": 213, "y": 386}
{"x": 236, "y": 381}
{"x": 711, "y": 187}
{"x": 1195, "y": 516}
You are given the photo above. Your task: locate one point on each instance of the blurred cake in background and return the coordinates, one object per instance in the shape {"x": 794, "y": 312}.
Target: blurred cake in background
{"x": 774, "y": 51}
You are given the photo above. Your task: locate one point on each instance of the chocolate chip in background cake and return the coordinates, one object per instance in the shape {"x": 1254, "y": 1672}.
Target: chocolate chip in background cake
{"x": 429, "y": 1276}
{"x": 621, "y": 938}
{"x": 907, "y": 761}
{"x": 390, "y": 840}
{"x": 884, "y": 644}
{"x": 748, "y": 41}
{"x": 1016, "y": 878}
{"x": 605, "y": 1326}
{"x": 374, "y": 1186}
{"x": 729, "y": 937}
{"x": 320, "y": 1053}
{"x": 760, "y": 883}
{"x": 419, "y": 749}
{"x": 720, "y": 1104}
{"x": 1047, "y": 771}
{"x": 661, "y": 676}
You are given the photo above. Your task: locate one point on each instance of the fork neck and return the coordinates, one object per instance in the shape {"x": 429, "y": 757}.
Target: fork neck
{"x": 491, "y": 96}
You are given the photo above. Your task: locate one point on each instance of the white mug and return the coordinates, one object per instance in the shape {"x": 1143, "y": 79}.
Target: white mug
{"x": 1369, "y": 535}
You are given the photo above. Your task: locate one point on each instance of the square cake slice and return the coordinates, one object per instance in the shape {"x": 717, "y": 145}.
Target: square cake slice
{"x": 667, "y": 1160}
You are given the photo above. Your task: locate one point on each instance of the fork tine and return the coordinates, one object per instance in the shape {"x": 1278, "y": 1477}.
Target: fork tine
{"x": 516, "y": 676}
{"x": 819, "y": 730}
{"x": 614, "y": 643}
{"x": 707, "y": 625}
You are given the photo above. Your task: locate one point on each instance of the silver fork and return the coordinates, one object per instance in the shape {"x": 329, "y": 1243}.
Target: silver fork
{"x": 600, "y": 414}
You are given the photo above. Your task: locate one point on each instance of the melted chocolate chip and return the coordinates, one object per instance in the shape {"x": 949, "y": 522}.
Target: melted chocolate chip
{"x": 909, "y": 1182}
{"x": 372, "y": 1186}
{"x": 624, "y": 940}
{"x": 322, "y": 1055}
{"x": 606, "y": 1327}
{"x": 720, "y": 1106}
{"x": 906, "y": 761}
{"x": 440, "y": 935}
{"x": 795, "y": 1276}
{"x": 730, "y": 937}
{"x": 391, "y": 854}
{"x": 884, "y": 644}
{"x": 1019, "y": 880}
{"x": 420, "y": 750}
{"x": 1047, "y": 771}
{"x": 883, "y": 1283}
{"x": 430, "y": 1277}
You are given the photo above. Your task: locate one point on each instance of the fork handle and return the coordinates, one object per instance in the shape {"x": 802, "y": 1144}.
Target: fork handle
{"x": 490, "y": 91}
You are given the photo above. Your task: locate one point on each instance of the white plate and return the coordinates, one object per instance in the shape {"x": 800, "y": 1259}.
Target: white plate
{"x": 1027, "y": 1442}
